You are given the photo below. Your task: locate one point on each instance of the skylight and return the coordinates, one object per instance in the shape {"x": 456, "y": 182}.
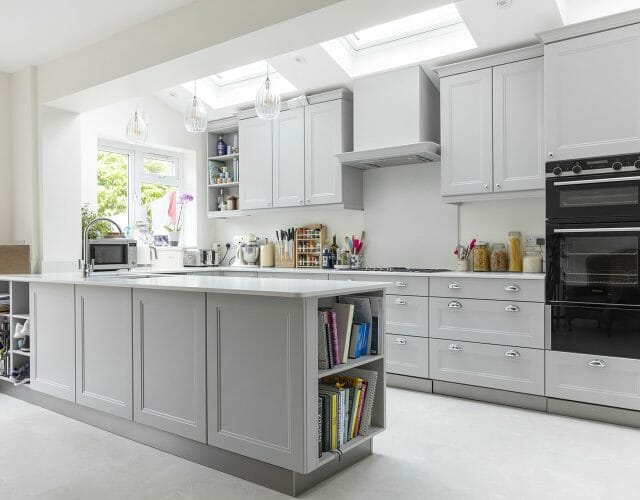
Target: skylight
{"x": 242, "y": 73}
{"x": 575, "y": 11}
{"x": 402, "y": 42}
{"x": 429, "y": 20}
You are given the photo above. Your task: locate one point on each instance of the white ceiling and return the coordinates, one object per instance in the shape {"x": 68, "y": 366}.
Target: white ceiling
{"x": 36, "y": 31}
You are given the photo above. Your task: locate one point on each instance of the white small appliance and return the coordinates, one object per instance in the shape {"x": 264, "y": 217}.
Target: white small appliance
{"x": 247, "y": 250}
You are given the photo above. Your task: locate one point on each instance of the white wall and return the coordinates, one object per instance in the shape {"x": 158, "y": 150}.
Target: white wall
{"x": 166, "y": 131}
{"x": 6, "y": 183}
{"x": 405, "y": 220}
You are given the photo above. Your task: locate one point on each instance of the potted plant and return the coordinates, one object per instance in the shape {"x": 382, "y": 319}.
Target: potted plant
{"x": 176, "y": 226}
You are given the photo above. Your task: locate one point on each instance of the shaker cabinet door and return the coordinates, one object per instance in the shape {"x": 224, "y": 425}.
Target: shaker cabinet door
{"x": 103, "y": 349}
{"x": 465, "y": 107}
{"x": 169, "y": 336}
{"x": 518, "y": 126}
{"x": 592, "y": 96}
{"x": 53, "y": 340}
{"x": 256, "y": 167}
{"x": 288, "y": 158}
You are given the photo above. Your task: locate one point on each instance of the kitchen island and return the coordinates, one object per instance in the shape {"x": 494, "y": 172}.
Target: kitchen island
{"x": 219, "y": 370}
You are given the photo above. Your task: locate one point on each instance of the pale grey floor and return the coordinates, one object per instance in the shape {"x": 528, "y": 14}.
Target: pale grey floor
{"x": 435, "y": 448}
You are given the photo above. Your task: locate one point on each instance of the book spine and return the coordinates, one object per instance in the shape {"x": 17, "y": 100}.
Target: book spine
{"x": 363, "y": 394}
{"x": 334, "y": 337}
{"x": 340, "y": 419}
{"x": 334, "y": 421}
{"x": 319, "y": 426}
{"x": 374, "y": 336}
{"x": 326, "y": 424}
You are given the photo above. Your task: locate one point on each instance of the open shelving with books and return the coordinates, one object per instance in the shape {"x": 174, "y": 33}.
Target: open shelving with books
{"x": 351, "y": 377}
{"x": 15, "y": 353}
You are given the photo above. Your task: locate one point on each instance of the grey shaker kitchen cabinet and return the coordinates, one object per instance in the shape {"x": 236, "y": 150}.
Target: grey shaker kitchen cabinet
{"x": 255, "y": 378}
{"x": 288, "y": 158}
{"x": 488, "y": 321}
{"x": 407, "y": 315}
{"x": 592, "y": 102}
{"x": 406, "y": 355}
{"x": 256, "y": 170}
{"x": 104, "y": 332}
{"x": 518, "y": 126}
{"x": 169, "y": 372}
{"x": 465, "y": 112}
{"x": 53, "y": 340}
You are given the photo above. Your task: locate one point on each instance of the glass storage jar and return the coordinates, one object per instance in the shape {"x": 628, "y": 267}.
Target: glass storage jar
{"x": 515, "y": 252}
{"x": 499, "y": 261}
{"x": 532, "y": 261}
{"x": 481, "y": 256}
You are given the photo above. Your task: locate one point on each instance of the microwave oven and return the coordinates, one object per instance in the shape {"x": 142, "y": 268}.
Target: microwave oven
{"x": 112, "y": 254}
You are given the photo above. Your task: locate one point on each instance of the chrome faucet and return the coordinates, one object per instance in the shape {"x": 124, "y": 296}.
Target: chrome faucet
{"x": 87, "y": 267}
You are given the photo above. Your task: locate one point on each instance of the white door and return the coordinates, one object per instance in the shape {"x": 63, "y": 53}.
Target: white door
{"x": 467, "y": 160}
{"x": 288, "y": 158}
{"x": 323, "y": 140}
{"x": 518, "y": 126}
{"x": 256, "y": 163}
{"x": 53, "y": 340}
{"x": 103, "y": 349}
{"x": 592, "y": 95}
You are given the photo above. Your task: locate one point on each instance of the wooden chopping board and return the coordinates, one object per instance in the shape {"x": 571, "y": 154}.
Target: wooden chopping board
{"x": 14, "y": 259}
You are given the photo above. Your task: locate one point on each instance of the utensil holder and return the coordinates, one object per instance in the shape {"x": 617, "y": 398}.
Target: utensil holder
{"x": 356, "y": 261}
{"x": 463, "y": 265}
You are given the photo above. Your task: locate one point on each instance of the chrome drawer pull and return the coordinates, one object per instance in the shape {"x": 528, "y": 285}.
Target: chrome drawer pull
{"x": 454, "y": 304}
{"x": 400, "y": 341}
{"x": 597, "y": 363}
{"x": 512, "y": 288}
{"x": 455, "y": 286}
{"x": 401, "y": 284}
{"x": 511, "y": 308}
{"x": 454, "y": 347}
{"x": 401, "y": 302}
{"x": 512, "y": 353}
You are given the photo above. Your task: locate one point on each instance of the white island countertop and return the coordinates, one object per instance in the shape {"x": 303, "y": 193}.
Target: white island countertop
{"x": 215, "y": 284}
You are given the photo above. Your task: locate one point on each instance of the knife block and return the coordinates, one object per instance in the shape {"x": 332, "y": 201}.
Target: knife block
{"x": 283, "y": 259}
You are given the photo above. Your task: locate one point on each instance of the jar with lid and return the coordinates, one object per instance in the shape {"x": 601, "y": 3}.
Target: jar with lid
{"x": 481, "y": 256}
{"x": 515, "y": 252}
{"x": 499, "y": 261}
{"x": 532, "y": 261}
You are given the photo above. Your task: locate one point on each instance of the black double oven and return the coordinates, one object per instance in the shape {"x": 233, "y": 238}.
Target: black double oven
{"x": 593, "y": 246}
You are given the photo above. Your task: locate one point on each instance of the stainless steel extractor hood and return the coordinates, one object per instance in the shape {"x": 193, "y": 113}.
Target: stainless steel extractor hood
{"x": 393, "y": 156}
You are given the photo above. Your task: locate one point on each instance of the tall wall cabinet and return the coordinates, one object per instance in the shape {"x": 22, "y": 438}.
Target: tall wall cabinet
{"x": 492, "y": 117}
{"x": 291, "y": 161}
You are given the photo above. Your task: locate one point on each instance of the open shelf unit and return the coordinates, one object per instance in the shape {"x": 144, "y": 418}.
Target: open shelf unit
{"x": 374, "y": 362}
{"x": 17, "y": 316}
{"x": 220, "y": 192}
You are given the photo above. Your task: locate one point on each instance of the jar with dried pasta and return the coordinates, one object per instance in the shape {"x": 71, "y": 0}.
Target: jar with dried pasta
{"x": 481, "y": 256}
{"x": 515, "y": 252}
{"x": 499, "y": 261}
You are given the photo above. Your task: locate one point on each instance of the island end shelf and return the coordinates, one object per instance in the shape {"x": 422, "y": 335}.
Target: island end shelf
{"x": 242, "y": 394}
{"x": 13, "y": 357}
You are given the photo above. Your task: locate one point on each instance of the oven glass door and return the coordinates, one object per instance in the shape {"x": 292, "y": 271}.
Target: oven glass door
{"x": 594, "y": 197}
{"x": 109, "y": 254}
{"x": 593, "y": 263}
{"x": 604, "y": 331}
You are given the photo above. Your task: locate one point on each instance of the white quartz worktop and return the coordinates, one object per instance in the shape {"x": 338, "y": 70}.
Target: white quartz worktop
{"x": 215, "y": 284}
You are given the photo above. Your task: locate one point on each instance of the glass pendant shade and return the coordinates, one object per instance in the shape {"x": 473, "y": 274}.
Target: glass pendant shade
{"x": 267, "y": 101}
{"x": 195, "y": 116}
{"x": 137, "y": 130}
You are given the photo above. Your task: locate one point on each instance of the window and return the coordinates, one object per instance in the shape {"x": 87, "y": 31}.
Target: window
{"x": 135, "y": 184}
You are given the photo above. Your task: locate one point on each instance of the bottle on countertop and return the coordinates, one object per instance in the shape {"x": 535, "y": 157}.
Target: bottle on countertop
{"x": 326, "y": 258}
{"x": 333, "y": 252}
{"x": 221, "y": 147}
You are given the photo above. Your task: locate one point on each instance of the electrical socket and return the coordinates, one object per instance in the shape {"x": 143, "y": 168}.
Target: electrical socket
{"x": 532, "y": 240}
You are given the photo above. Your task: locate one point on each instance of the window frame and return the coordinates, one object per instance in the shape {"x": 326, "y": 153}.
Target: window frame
{"x": 137, "y": 176}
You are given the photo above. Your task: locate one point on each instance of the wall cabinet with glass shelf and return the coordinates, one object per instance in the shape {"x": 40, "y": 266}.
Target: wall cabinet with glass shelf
{"x": 223, "y": 168}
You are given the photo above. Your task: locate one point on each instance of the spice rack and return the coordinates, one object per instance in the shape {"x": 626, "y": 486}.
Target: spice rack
{"x": 309, "y": 243}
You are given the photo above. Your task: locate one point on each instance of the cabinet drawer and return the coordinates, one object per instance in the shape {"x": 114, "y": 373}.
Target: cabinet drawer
{"x": 499, "y": 367}
{"x": 490, "y": 321}
{"x": 489, "y": 288}
{"x": 407, "y": 315}
{"x": 407, "y": 355}
{"x": 601, "y": 380}
{"x": 400, "y": 285}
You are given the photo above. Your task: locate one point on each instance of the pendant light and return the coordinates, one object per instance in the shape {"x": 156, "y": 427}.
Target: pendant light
{"x": 267, "y": 100}
{"x": 195, "y": 116}
{"x": 137, "y": 130}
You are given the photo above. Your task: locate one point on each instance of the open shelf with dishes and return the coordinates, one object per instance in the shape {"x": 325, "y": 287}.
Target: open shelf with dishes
{"x": 15, "y": 349}
{"x": 223, "y": 169}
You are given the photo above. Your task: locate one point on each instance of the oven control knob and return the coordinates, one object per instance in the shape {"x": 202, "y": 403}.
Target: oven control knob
{"x": 636, "y": 163}
{"x": 558, "y": 170}
{"x": 576, "y": 168}
{"x": 617, "y": 165}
